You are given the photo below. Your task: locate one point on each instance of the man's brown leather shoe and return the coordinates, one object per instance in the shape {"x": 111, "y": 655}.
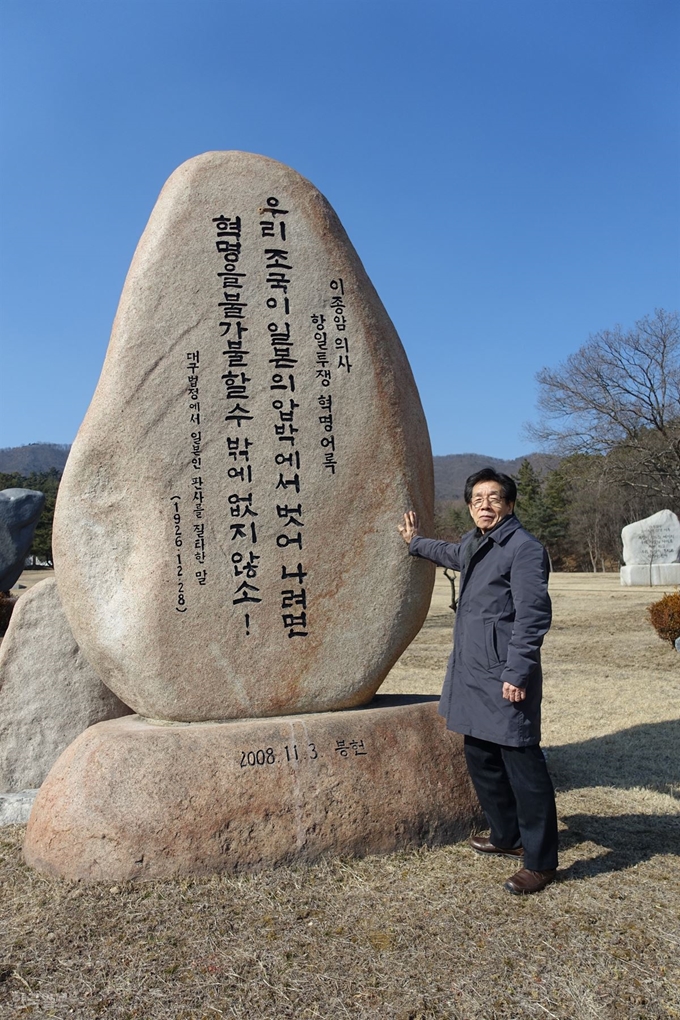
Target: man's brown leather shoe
{"x": 526, "y": 881}
{"x": 482, "y": 845}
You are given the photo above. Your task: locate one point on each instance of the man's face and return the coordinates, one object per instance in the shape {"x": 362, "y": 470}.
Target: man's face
{"x": 488, "y": 506}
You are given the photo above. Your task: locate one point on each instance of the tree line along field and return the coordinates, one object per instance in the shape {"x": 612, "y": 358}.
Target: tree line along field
{"x": 576, "y": 514}
{"x": 609, "y": 426}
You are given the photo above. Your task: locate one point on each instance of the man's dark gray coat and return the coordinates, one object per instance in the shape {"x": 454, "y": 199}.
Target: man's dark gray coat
{"x": 503, "y": 614}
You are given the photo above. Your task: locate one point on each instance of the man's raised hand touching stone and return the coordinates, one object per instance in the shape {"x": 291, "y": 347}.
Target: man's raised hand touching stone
{"x": 409, "y": 529}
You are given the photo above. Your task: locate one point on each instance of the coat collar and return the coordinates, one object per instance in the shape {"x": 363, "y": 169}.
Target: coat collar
{"x": 500, "y": 533}
{"x": 504, "y": 529}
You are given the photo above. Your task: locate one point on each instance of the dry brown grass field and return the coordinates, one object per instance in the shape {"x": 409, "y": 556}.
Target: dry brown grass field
{"x": 424, "y": 934}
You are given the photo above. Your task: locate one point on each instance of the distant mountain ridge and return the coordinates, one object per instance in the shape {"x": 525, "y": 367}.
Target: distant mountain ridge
{"x": 35, "y": 457}
{"x": 450, "y": 471}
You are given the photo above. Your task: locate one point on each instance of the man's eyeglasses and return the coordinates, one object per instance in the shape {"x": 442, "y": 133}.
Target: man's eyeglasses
{"x": 492, "y": 500}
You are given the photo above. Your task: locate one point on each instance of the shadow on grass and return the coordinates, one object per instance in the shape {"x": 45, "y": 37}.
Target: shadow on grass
{"x": 626, "y": 840}
{"x": 644, "y": 756}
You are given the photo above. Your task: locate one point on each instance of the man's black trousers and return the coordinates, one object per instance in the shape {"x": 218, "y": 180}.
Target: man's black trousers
{"x": 517, "y": 797}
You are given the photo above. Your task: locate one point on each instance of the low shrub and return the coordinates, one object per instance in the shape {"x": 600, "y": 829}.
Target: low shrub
{"x": 665, "y": 617}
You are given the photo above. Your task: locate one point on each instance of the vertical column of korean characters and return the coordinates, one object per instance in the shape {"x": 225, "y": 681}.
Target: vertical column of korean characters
{"x": 233, "y": 318}
{"x": 324, "y": 376}
{"x": 191, "y": 363}
{"x": 180, "y": 593}
{"x": 334, "y": 324}
{"x": 339, "y": 324}
{"x": 289, "y": 504}
{"x": 197, "y": 508}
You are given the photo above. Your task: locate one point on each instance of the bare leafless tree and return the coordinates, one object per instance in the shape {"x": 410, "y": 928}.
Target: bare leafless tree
{"x": 619, "y": 395}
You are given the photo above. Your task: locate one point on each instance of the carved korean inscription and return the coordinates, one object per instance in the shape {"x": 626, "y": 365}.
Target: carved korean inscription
{"x": 349, "y": 747}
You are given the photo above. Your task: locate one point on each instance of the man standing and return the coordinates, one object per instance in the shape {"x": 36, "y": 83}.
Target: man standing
{"x": 493, "y": 686}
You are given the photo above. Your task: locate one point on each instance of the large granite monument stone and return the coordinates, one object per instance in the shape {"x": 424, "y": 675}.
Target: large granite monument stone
{"x": 226, "y": 549}
{"x": 224, "y": 533}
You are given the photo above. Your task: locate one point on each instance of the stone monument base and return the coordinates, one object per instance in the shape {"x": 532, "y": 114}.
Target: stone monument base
{"x": 131, "y": 799}
{"x": 659, "y": 573}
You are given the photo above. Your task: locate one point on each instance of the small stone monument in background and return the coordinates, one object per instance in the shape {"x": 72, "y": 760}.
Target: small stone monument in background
{"x": 651, "y": 550}
{"x": 20, "y": 511}
{"x": 227, "y": 556}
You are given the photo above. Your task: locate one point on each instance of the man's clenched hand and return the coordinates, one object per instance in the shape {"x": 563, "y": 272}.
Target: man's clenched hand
{"x": 511, "y": 693}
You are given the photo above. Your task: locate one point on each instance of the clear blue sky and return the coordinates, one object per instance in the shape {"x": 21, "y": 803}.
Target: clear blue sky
{"x": 508, "y": 171}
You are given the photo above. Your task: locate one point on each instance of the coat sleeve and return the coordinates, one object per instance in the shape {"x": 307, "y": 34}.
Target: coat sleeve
{"x": 446, "y": 554}
{"x": 533, "y": 613}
